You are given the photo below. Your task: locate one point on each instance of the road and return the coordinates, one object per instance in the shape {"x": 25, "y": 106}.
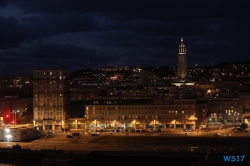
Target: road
{"x": 167, "y": 143}
{"x": 162, "y": 141}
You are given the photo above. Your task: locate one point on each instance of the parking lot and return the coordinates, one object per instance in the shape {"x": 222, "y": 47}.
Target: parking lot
{"x": 225, "y": 132}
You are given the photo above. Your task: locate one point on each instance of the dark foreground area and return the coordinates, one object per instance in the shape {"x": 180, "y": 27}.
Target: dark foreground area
{"x": 114, "y": 158}
{"x": 217, "y": 151}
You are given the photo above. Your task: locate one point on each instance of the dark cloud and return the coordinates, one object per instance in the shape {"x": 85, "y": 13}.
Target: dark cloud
{"x": 125, "y": 32}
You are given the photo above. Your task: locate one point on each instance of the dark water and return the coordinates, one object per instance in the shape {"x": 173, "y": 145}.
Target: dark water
{"x": 27, "y": 157}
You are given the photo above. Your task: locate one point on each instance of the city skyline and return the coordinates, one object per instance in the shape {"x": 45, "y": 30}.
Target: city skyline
{"x": 93, "y": 34}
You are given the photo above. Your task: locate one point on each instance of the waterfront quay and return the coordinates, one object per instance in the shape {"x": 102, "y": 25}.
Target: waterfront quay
{"x": 118, "y": 148}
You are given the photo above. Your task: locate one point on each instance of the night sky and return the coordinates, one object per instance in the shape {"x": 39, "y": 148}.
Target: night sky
{"x": 80, "y": 34}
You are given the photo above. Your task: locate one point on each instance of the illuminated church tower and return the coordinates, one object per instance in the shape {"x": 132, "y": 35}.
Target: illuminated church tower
{"x": 182, "y": 77}
{"x": 182, "y": 61}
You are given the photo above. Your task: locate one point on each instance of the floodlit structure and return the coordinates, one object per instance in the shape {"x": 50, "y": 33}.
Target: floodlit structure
{"x": 51, "y": 97}
{"x": 182, "y": 77}
{"x": 14, "y": 134}
{"x": 182, "y": 61}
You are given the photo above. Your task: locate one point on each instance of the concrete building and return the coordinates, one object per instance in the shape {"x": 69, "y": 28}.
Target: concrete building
{"x": 228, "y": 111}
{"x": 51, "y": 97}
{"x": 173, "y": 114}
{"x": 184, "y": 114}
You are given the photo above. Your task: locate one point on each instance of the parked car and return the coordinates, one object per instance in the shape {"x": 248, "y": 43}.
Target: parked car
{"x": 49, "y": 136}
{"x": 115, "y": 130}
{"x": 69, "y": 136}
{"x": 95, "y": 134}
{"x": 157, "y": 130}
{"x": 216, "y": 134}
{"x": 127, "y": 133}
{"x": 238, "y": 129}
{"x": 51, "y": 132}
{"x": 190, "y": 130}
{"x": 76, "y": 134}
{"x": 202, "y": 127}
{"x": 151, "y": 130}
{"x": 132, "y": 130}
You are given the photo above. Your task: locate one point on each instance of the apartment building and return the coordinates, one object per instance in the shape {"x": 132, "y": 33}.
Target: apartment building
{"x": 51, "y": 95}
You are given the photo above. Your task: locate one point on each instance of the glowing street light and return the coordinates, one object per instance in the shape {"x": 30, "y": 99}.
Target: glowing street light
{"x": 14, "y": 116}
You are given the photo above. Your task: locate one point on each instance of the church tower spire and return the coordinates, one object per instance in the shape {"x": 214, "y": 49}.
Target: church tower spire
{"x": 182, "y": 61}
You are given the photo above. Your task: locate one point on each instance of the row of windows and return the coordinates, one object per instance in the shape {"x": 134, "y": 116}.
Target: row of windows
{"x": 48, "y": 104}
{"x": 49, "y": 100}
{"x": 132, "y": 117}
{"x": 48, "y": 87}
{"x": 48, "y": 117}
{"x": 48, "y": 82}
{"x": 50, "y": 95}
{"x": 47, "y": 91}
{"x": 141, "y": 108}
{"x": 45, "y": 113}
{"x": 44, "y": 108}
{"x": 227, "y": 103}
{"x": 134, "y": 112}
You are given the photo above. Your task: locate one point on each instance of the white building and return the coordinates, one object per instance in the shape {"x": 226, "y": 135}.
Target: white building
{"x": 14, "y": 134}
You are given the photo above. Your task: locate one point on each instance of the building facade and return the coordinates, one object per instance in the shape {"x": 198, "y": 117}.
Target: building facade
{"x": 51, "y": 97}
{"x": 181, "y": 114}
{"x": 174, "y": 114}
{"x": 225, "y": 111}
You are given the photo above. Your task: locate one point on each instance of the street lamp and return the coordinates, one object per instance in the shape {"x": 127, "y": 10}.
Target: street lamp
{"x": 235, "y": 119}
{"x": 154, "y": 125}
{"x": 135, "y": 125}
{"x": 95, "y": 125}
{"x": 14, "y": 116}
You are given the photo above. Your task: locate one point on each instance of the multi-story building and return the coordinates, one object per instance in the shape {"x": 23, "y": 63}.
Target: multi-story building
{"x": 225, "y": 110}
{"x": 175, "y": 114}
{"x": 51, "y": 97}
{"x": 184, "y": 113}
